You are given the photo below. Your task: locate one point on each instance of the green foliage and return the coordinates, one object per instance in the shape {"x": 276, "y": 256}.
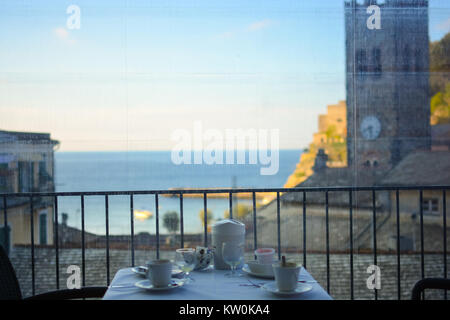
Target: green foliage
{"x": 439, "y": 64}
{"x": 440, "y": 55}
{"x": 209, "y": 216}
{"x": 171, "y": 221}
{"x": 440, "y": 106}
{"x": 331, "y": 133}
{"x": 239, "y": 212}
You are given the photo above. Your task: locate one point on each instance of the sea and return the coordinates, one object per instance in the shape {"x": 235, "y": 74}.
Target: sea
{"x": 151, "y": 170}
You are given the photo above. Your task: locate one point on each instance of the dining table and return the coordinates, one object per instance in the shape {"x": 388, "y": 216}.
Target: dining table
{"x": 211, "y": 284}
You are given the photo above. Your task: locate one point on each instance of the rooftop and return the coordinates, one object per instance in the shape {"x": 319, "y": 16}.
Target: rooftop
{"x": 33, "y": 137}
{"x": 421, "y": 168}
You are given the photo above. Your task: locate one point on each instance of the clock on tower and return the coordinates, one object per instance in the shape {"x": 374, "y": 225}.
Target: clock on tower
{"x": 388, "y": 107}
{"x": 370, "y": 128}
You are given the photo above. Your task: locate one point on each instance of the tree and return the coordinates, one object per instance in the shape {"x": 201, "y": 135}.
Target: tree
{"x": 440, "y": 54}
{"x": 209, "y": 216}
{"x": 440, "y": 107}
{"x": 171, "y": 221}
{"x": 239, "y": 212}
{"x": 439, "y": 64}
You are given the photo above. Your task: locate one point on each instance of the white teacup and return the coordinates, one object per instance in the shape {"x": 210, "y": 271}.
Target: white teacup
{"x": 286, "y": 276}
{"x": 265, "y": 255}
{"x": 159, "y": 272}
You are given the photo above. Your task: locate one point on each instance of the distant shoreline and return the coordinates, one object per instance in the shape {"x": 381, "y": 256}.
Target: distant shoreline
{"x": 241, "y": 195}
{"x": 143, "y": 151}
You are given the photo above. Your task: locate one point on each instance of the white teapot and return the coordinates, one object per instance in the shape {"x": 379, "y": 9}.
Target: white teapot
{"x": 224, "y": 231}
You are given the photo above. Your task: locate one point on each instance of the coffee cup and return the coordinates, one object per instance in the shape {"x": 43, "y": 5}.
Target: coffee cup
{"x": 159, "y": 272}
{"x": 286, "y": 275}
{"x": 265, "y": 255}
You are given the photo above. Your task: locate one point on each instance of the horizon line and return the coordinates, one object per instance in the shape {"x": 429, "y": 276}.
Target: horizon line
{"x": 166, "y": 150}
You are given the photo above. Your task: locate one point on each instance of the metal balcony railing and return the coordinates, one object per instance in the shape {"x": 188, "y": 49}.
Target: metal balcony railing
{"x": 32, "y": 197}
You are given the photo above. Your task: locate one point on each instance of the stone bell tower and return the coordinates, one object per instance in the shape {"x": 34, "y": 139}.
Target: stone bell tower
{"x": 387, "y": 83}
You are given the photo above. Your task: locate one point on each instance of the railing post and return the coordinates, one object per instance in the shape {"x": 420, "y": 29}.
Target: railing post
{"x": 444, "y": 223}
{"x": 132, "y": 227}
{"x": 181, "y": 220}
{"x": 422, "y": 256}
{"x": 255, "y": 239}
{"x": 304, "y": 229}
{"x": 5, "y": 223}
{"x": 350, "y": 203}
{"x": 107, "y": 238}
{"x": 327, "y": 240}
{"x": 205, "y": 212}
{"x": 83, "y": 250}
{"x": 157, "y": 224}
{"x": 374, "y": 228}
{"x": 32, "y": 246}
{"x": 56, "y": 239}
{"x": 278, "y": 226}
{"x": 231, "y": 204}
{"x": 397, "y": 201}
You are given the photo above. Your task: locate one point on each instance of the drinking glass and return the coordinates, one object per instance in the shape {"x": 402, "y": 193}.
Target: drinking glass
{"x": 233, "y": 255}
{"x": 185, "y": 259}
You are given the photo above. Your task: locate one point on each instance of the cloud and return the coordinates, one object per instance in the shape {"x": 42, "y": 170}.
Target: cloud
{"x": 444, "y": 25}
{"x": 61, "y": 33}
{"x": 259, "y": 25}
{"x": 64, "y": 35}
{"x": 255, "y": 26}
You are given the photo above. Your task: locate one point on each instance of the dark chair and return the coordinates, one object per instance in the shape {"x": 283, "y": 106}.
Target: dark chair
{"x": 429, "y": 283}
{"x": 10, "y": 289}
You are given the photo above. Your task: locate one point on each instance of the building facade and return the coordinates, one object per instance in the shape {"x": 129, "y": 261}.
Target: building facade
{"x": 387, "y": 84}
{"x": 26, "y": 165}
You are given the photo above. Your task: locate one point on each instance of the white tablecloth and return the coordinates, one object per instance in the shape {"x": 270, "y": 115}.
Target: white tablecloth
{"x": 208, "y": 285}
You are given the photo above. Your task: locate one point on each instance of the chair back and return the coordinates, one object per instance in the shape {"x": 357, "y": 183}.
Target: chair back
{"x": 429, "y": 283}
{"x": 9, "y": 286}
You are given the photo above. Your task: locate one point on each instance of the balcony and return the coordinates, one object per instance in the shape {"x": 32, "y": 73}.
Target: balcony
{"x": 336, "y": 243}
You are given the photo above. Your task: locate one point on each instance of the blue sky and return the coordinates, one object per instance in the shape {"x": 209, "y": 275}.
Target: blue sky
{"x": 138, "y": 70}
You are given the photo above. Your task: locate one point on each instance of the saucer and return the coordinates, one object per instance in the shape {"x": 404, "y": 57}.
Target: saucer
{"x": 142, "y": 271}
{"x": 174, "y": 283}
{"x": 247, "y": 270}
{"x": 272, "y": 287}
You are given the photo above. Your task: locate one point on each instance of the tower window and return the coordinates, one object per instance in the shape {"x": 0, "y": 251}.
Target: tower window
{"x": 361, "y": 61}
{"x": 406, "y": 59}
{"x": 376, "y": 61}
{"x": 417, "y": 60}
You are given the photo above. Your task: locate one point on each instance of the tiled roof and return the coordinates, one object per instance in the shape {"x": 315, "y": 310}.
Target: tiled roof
{"x": 328, "y": 177}
{"x": 421, "y": 168}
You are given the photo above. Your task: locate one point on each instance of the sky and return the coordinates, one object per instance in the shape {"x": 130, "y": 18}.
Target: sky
{"x": 136, "y": 71}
